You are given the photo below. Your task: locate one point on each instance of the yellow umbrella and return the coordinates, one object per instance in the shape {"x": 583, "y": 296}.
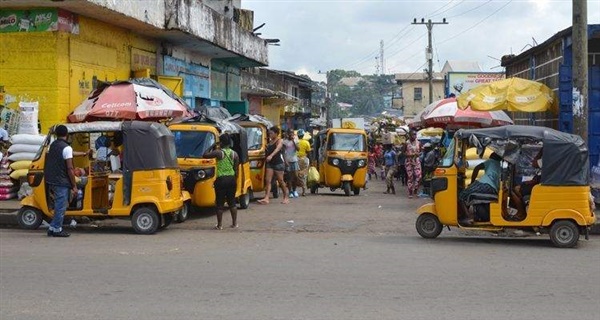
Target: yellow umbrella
{"x": 513, "y": 94}
{"x": 431, "y": 132}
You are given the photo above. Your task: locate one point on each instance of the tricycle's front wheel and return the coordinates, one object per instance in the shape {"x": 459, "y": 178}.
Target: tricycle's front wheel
{"x": 428, "y": 226}
{"x": 346, "y": 188}
{"x": 564, "y": 234}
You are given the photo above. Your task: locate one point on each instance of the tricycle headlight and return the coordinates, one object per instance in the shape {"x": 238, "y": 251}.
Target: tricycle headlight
{"x": 361, "y": 163}
{"x": 201, "y": 174}
{"x": 335, "y": 162}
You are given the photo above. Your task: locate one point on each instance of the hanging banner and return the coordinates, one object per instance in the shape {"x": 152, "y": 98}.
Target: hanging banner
{"x": 38, "y": 20}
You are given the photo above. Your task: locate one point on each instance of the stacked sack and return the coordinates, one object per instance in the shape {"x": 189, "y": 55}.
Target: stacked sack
{"x": 8, "y": 189}
{"x": 23, "y": 149}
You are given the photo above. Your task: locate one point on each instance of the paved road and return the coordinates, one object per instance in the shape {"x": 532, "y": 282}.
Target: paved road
{"x": 322, "y": 257}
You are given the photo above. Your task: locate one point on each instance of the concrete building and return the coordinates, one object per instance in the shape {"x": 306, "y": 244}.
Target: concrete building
{"x": 414, "y": 95}
{"x": 55, "y": 52}
{"x": 282, "y": 97}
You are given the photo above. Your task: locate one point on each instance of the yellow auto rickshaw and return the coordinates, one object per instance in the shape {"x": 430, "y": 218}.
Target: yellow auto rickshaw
{"x": 558, "y": 203}
{"x": 192, "y": 139}
{"x": 256, "y": 131}
{"x": 145, "y": 188}
{"x": 341, "y": 158}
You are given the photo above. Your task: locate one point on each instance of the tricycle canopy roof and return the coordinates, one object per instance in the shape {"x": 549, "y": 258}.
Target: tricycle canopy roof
{"x": 565, "y": 156}
{"x": 146, "y": 145}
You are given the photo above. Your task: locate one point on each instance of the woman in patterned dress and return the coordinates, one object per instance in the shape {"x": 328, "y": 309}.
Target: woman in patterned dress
{"x": 413, "y": 164}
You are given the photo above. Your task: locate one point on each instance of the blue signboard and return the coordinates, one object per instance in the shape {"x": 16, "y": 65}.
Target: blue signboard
{"x": 196, "y": 78}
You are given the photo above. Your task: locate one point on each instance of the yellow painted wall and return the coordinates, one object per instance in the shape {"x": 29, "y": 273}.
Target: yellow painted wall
{"x": 58, "y": 69}
{"x": 28, "y": 69}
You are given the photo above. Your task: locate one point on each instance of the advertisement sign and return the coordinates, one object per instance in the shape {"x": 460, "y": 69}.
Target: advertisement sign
{"x": 459, "y": 82}
{"x": 141, "y": 60}
{"x": 38, "y": 20}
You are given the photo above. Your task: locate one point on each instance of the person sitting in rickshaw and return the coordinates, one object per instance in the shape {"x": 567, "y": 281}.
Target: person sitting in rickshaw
{"x": 521, "y": 193}
{"x": 488, "y": 184}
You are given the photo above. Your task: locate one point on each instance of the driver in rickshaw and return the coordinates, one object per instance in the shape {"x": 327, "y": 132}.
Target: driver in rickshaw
{"x": 488, "y": 184}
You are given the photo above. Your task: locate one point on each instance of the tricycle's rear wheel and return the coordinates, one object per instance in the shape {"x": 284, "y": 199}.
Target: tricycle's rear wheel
{"x": 145, "y": 220}
{"x": 184, "y": 213}
{"x": 346, "y": 188}
{"x": 30, "y": 218}
{"x": 428, "y": 226}
{"x": 168, "y": 219}
{"x": 356, "y": 191}
{"x": 313, "y": 189}
{"x": 564, "y": 234}
{"x": 244, "y": 199}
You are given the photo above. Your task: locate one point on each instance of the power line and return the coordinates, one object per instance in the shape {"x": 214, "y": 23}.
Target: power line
{"x": 393, "y": 40}
{"x": 454, "y": 6}
{"x": 473, "y": 9}
{"x": 476, "y": 24}
{"x": 373, "y": 54}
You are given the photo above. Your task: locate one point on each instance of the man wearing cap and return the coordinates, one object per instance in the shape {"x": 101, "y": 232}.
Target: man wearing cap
{"x": 59, "y": 173}
{"x": 303, "y": 161}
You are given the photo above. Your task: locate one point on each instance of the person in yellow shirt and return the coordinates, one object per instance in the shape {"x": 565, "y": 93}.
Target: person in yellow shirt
{"x": 304, "y": 150}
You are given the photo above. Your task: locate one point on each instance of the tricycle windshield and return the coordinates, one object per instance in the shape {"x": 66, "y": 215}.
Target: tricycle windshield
{"x": 255, "y": 138}
{"x": 192, "y": 144}
{"x": 448, "y": 158}
{"x": 347, "y": 142}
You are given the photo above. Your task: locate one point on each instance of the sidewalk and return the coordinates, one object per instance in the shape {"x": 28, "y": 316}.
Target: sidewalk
{"x": 10, "y": 205}
{"x": 8, "y": 212}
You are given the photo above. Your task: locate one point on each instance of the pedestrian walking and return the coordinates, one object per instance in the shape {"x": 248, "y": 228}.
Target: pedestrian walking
{"x": 275, "y": 166}
{"x": 412, "y": 150}
{"x": 59, "y": 173}
{"x": 401, "y": 167}
{"x": 371, "y": 164}
{"x": 389, "y": 157}
{"x": 290, "y": 150}
{"x": 304, "y": 150}
{"x": 226, "y": 182}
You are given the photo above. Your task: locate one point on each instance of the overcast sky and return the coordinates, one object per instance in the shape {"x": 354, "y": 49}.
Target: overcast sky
{"x": 321, "y": 35}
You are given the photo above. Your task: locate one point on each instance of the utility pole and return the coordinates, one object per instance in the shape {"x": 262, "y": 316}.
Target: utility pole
{"x": 429, "y": 54}
{"x": 580, "y": 69}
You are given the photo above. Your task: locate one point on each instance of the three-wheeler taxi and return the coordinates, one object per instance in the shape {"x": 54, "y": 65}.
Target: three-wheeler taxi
{"x": 341, "y": 157}
{"x": 192, "y": 139}
{"x": 558, "y": 201}
{"x": 146, "y": 188}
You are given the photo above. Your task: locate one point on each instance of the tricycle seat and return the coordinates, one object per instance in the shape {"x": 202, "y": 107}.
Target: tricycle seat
{"x": 481, "y": 198}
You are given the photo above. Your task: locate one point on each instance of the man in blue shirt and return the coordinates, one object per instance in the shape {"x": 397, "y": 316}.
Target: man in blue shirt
{"x": 489, "y": 184}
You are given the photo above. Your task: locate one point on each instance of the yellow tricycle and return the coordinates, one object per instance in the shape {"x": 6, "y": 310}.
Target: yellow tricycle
{"x": 542, "y": 185}
{"x": 145, "y": 186}
{"x": 192, "y": 139}
{"x": 341, "y": 158}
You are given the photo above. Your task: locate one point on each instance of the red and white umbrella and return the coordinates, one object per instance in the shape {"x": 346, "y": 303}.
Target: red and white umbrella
{"x": 126, "y": 100}
{"x": 447, "y": 113}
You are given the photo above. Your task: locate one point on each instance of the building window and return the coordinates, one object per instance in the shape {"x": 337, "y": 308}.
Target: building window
{"x": 418, "y": 94}
{"x": 295, "y": 92}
